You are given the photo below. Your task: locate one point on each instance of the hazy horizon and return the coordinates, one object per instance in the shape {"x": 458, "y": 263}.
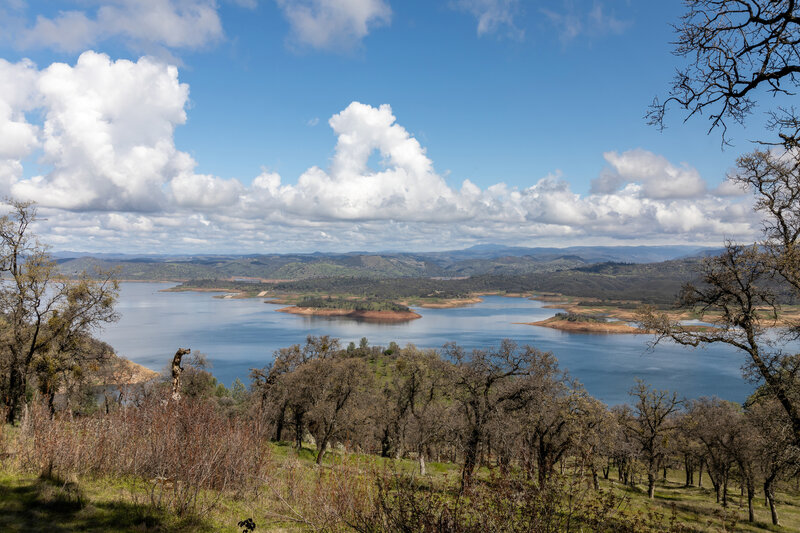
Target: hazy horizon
{"x": 479, "y": 246}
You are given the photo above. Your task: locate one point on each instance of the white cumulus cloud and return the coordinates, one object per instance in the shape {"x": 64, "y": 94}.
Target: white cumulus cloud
{"x": 193, "y": 190}
{"x": 143, "y": 24}
{"x": 108, "y": 134}
{"x": 334, "y": 24}
{"x": 657, "y": 177}
{"x": 641, "y": 195}
{"x": 17, "y": 96}
{"x": 109, "y": 176}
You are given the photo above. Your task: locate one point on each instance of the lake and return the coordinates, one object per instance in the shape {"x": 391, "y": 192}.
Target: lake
{"x": 240, "y": 334}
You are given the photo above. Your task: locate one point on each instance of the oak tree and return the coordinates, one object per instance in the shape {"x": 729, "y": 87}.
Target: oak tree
{"x": 43, "y": 316}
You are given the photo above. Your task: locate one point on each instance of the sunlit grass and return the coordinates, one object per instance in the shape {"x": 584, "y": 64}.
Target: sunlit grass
{"x": 119, "y": 504}
{"x": 697, "y": 507}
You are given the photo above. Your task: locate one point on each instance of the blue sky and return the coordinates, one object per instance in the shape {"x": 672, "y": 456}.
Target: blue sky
{"x": 203, "y": 126}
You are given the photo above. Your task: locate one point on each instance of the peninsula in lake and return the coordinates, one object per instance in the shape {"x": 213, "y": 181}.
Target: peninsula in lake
{"x": 600, "y": 287}
{"x": 369, "y": 310}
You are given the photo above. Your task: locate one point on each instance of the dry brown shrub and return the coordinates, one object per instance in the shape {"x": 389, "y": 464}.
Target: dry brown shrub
{"x": 402, "y": 502}
{"x": 319, "y": 498}
{"x": 187, "y": 453}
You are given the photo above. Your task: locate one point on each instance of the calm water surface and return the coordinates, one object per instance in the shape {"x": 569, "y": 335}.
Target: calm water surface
{"x": 237, "y": 335}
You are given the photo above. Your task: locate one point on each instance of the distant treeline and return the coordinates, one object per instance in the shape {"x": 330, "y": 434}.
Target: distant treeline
{"x": 306, "y": 266}
{"x": 652, "y": 283}
{"x": 355, "y": 305}
{"x": 574, "y": 317}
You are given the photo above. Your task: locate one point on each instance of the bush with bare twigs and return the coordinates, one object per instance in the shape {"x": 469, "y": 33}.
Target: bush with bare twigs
{"x": 187, "y": 452}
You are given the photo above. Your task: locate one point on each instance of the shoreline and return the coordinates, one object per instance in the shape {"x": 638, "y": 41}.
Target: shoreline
{"x": 377, "y": 316}
{"x": 153, "y": 280}
{"x": 123, "y": 372}
{"x": 139, "y": 373}
{"x": 450, "y": 303}
{"x": 571, "y": 304}
{"x": 287, "y": 299}
{"x": 787, "y": 317}
{"x": 607, "y": 328}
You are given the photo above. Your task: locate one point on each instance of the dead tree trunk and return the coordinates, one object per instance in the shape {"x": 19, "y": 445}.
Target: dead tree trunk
{"x": 176, "y": 372}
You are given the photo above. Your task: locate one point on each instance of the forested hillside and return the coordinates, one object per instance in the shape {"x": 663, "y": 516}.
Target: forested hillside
{"x": 655, "y": 283}
{"x": 477, "y": 261}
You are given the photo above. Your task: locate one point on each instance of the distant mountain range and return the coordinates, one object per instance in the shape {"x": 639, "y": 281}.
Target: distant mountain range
{"x": 477, "y": 260}
{"x": 589, "y": 254}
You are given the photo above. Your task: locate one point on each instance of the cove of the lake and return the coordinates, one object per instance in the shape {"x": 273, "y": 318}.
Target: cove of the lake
{"x": 240, "y": 334}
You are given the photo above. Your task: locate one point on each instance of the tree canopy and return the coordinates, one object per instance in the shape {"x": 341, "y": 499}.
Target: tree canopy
{"x": 45, "y": 320}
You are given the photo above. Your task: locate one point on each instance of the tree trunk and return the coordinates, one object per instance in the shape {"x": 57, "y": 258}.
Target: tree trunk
{"x": 543, "y": 475}
{"x": 279, "y": 424}
{"x": 595, "y": 480}
{"x": 716, "y": 482}
{"x": 421, "y": 457}
{"x": 16, "y": 394}
{"x": 322, "y": 444}
{"x": 725, "y": 489}
{"x": 176, "y": 372}
{"x": 689, "y": 469}
{"x": 700, "y": 475}
{"x": 503, "y": 461}
{"x": 298, "y": 430}
{"x": 751, "y": 515}
{"x": 470, "y": 458}
{"x": 651, "y": 485}
{"x": 51, "y": 404}
{"x": 769, "y": 491}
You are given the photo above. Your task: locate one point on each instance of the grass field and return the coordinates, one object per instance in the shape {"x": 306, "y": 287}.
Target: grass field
{"x": 697, "y": 507}
{"x": 30, "y": 503}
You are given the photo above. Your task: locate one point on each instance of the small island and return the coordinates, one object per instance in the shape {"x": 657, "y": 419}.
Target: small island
{"x": 577, "y": 323}
{"x": 368, "y": 310}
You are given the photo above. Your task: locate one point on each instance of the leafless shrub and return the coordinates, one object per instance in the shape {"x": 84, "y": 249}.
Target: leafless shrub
{"x": 401, "y": 502}
{"x": 319, "y": 498}
{"x": 187, "y": 452}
